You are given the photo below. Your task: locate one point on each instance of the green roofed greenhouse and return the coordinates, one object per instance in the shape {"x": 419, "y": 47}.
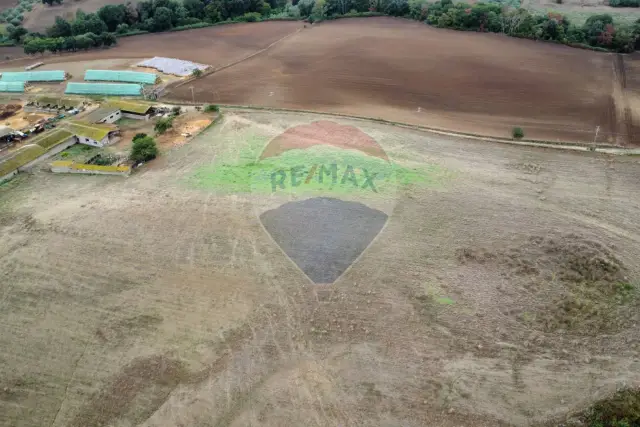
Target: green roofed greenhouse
{"x": 120, "y": 76}
{"x": 121, "y": 89}
{"x": 11, "y": 86}
{"x": 33, "y": 76}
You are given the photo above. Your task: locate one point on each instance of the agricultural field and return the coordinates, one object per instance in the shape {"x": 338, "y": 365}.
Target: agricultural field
{"x": 43, "y": 16}
{"x": 579, "y": 10}
{"x": 499, "y": 292}
{"x": 397, "y": 70}
{"x": 408, "y": 72}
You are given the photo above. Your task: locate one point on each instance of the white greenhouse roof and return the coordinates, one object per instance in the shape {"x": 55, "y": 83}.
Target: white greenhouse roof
{"x": 174, "y": 66}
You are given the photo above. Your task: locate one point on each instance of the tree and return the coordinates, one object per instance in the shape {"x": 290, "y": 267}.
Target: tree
{"x": 195, "y": 8}
{"x": 78, "y": 26}
{"x": 112, "y": 15}
{"x": 83, "y": 42}
{"x": 397, "y": 8}
{"x": 61, "y": 28}
{"x": 16, "y": 33}
{"x": 94, "y": 24}
{"x": 318, "y": 12}
{"x": 306, "y": 7}
{"x": 143, "y": 149}
{"x": 197, "y": 72}
{"x": 69, "y": 44}
{"x": 139, "y": 136}
{"x": 213, "y": 12}
{"x": 122, "y": 28}
{"x": 162, "y": 19}
{"x": 109, "y": 39}
{"x": 211, "y": 108}
{"x": 517, "y": 133}
{"x": 163, "y": 125}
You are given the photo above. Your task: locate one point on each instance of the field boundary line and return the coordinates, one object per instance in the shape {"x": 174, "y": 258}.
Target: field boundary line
{"x": 231, "y": 64}
{"x": 568, "y": 146}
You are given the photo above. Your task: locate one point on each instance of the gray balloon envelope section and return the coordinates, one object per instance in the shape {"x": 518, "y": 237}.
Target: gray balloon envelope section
{"x": 322, "y": 235}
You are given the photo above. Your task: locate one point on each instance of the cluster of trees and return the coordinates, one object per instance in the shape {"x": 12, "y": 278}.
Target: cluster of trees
{"x": 85, "y": 41}
{"x": 161, "y": 15}
{"x": 15, "y": 15}
{"x": 599, "y": 31}
{"x": 624, "y": 3}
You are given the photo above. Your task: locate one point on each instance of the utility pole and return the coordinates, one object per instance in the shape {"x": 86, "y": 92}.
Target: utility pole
{"x": 595, "y": 138}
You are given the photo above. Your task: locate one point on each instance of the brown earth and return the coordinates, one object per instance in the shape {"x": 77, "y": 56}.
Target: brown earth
{"x": 152, "y": 301}
{"x": 402, "y": 71}
{"x": 215, "y": 46}
{"x": 43, "y": 16}
{"x": 408, "y": 72}
{"x": 5, "y": 4}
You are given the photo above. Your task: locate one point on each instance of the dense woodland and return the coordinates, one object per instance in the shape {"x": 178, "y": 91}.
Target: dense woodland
{"x": 94, "y": 30}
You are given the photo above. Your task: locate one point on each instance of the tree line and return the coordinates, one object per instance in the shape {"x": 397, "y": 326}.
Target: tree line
{"x": 91, "y": 30}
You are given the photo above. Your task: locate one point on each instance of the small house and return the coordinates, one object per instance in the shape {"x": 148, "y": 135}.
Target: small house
{"x": 96, "y": 135}
{"x": 132, "y": 109}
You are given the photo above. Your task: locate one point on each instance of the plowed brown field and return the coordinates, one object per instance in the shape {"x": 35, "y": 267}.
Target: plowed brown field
{"x": 408, "y": 72}
{"x": 215, "y": 46}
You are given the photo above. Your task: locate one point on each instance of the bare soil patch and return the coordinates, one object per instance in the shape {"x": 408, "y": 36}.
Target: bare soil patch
{"x": 216, "y": 46}
{"x": 152, "y": 301}
{"x": 408, "y": 72}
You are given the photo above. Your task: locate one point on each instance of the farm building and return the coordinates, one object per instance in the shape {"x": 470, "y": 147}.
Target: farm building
{"x": 96, "y": 135}
{"x": 50, "y": 103}
{"x": 120, "y": 76}
{"x": 20, "y": 159}
{"x": 113, "y": 89}
{"x": 33, "y": 76}
{"x": 131, "y": 109}
{"x": 52, "y": 139}
{"x": 11, "y": 86}
{"x": 104, "y": 115}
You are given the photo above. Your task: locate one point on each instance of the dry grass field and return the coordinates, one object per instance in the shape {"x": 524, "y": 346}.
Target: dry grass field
{"x": 494, "y": 296}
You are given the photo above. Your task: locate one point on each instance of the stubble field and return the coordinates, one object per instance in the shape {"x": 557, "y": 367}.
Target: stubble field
{"x": 159, "y": 300}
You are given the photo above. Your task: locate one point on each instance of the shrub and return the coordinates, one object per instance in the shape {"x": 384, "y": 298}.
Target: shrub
{"x": 122, "y": 28}
{"x": 197, "y": 72}
{"x": 163, "y": 125}
{"x": 250, "y": 17}
{"x": 211, "y": 108}
{"x": 139, "y": 136}
{"x": 517, "y": 133}
{"x": 192, "y": 26}
{"x": 620, "y": 410}
{"x": 143, "y": 149}
{"x": 175, "y": 111}
{"x": 103, "y": 160}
